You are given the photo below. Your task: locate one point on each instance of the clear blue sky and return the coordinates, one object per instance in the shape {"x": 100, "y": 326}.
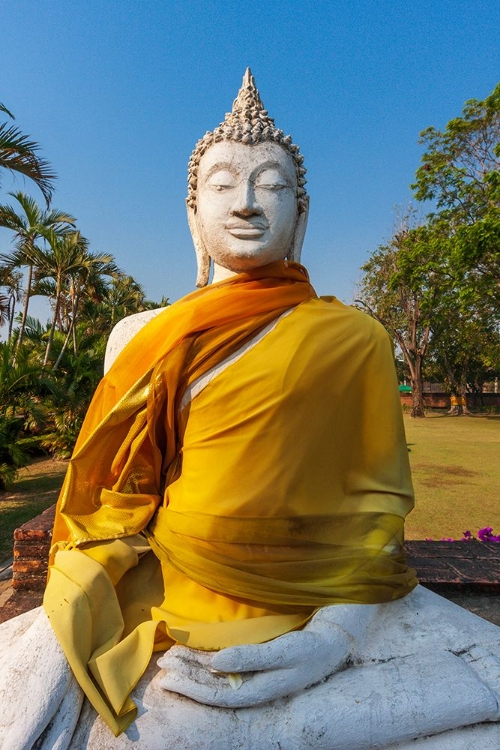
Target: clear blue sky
{"x": 118, "y": 91}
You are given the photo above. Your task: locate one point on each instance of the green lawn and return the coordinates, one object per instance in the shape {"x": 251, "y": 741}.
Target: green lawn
{"x": 36, "y": 488}
{"x": 456, "y": 473}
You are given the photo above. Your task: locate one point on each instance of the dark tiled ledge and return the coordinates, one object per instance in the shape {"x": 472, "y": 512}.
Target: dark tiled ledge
{"x": 458, "y": 566}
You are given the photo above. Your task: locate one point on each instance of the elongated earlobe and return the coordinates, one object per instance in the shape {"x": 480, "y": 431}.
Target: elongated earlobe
{"x": 298, "y": 237}
{"x": 202, "y": 257}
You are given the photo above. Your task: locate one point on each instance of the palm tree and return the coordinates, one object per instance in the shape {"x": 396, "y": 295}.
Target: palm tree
{"x": 28, "y": 226}
{"x": 85, "y": 281}
{"x": 10, "y": 279}
{"x": 122, "y": 296}
{"x": 62, "y": 257}
{"x": 18, "y": 154}
{"x": 125, "y": 296}
{"x": 77, "y": 379}
{"x": 68, "y": 264}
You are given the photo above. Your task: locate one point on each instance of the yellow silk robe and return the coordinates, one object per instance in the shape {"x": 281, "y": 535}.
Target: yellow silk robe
{"x": 288, "y": 492}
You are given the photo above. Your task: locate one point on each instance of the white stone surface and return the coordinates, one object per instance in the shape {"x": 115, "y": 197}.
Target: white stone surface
{"x": 36, "y": 685}
{"x": 246, "y": 213}
{"x": 124, "y": 331}
{"x": 424, "y": 668}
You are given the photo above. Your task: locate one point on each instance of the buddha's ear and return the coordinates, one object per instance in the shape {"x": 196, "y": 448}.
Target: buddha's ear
{"x": 298, "y": 237}
{"x": 202, "y": 257}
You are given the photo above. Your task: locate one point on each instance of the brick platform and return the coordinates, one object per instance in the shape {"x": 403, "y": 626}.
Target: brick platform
{"x": 31, "y": 552}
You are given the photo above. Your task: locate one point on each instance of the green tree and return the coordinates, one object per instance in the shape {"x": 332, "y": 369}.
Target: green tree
{"x": 20, "y": 154}
{"x": 85, "y": 281}
{"x": 401, "y": 288}
{"x": 122, "y": 296}
{"x": 460, "y": 172}
{"x": 63, "y": 257}
{"x": 438, "y": 285}
{"x": 77, "y": 378}
{"x": 28, "y": 225}
{"x": 67, "y": 270}
{"x": 10, "y": 280}
{"x": 24, "y": 394}
{"x": 464, "y": 350}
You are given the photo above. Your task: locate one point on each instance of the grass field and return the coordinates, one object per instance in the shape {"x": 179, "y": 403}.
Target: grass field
{"x": 456, "y": 472}
{"x": 36, "y": 488}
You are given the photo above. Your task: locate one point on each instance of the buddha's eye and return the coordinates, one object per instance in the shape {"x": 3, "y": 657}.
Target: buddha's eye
{"x": 222, "y": 180}
{"x": 271, "y": 179}
{"x": 272, "y": 186}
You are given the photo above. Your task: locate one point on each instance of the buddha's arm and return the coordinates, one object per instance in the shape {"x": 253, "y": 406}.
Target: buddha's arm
{"x": 283, "y": 666}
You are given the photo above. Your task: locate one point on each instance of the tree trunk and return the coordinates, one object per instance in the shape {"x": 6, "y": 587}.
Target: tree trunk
{"x": 63, "y": 348}
{"x": 463, "y": 397}
{"x": 75, "y": 304}
{"x": 11, "y": 309}
{"x": 417, "y": 387}
{"x": 27, "y": 296}
{"x": 54, "y": 322}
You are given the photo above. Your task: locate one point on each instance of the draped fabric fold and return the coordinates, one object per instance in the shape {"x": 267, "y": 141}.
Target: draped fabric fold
{"x": 328, "y": 560}
{"x": 130, "y": 435}
{"x": 283, "y": 487}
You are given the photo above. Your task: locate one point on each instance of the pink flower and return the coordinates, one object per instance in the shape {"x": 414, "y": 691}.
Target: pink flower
{"x": 486, "y": 535}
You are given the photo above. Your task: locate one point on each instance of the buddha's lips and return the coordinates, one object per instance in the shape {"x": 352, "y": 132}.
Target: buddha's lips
{"x": 242, "y": 231}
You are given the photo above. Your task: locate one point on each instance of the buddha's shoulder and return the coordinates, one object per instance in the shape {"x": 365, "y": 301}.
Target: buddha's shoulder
{"x": 334, "y": 316}
{"x": 124, "y": 331}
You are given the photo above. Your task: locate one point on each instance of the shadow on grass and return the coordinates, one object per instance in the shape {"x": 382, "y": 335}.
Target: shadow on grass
{"x": 36, "y": 483}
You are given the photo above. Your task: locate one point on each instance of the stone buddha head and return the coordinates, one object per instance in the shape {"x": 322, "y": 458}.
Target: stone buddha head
{"x": 247, "y": 204}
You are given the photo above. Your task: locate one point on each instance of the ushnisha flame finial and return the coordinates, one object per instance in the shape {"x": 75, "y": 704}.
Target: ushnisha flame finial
{"x": 247, "y": 123}
{"x": 248, "y": 109}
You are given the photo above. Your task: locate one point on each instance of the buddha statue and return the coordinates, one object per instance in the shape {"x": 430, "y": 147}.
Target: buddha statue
{"x": 236, "y": 502}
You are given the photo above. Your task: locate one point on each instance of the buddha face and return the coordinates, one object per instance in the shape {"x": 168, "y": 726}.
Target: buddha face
{"x": 246, "y": 208}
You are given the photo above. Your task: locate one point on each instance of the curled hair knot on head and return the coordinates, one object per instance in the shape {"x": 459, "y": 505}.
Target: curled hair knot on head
{"x": 247, "y": 123}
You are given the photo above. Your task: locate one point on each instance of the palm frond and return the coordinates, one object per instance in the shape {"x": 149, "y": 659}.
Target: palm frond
{"x": 3, "y": 108}
{"x": 4, "y": 310}
{"x": 18, "y": 154}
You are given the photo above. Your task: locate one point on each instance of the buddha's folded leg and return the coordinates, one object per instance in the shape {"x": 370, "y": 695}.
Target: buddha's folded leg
{"x": 36, "y": 686}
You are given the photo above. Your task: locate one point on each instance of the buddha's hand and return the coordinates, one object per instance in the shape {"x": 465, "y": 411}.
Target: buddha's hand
{"x": 251, "y": 675}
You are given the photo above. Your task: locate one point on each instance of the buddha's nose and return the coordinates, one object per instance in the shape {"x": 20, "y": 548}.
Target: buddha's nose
{"x": 245, "y": 203}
